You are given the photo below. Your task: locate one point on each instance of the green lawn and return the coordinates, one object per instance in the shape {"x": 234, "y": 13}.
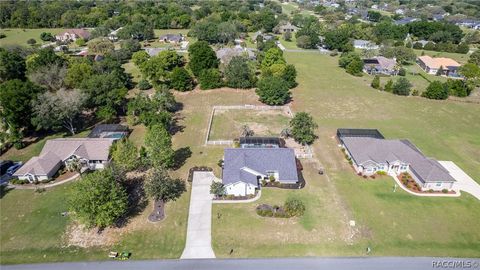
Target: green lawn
{"x": 227, "y": 124}
{"x": 18, "y": 36}
{"x": 393, "y": 224}
{"x": 418, "y": 82}
{"x": 33, "y": 230}
{"x": 460, "y": 58}
{"x": 133, "y": 70}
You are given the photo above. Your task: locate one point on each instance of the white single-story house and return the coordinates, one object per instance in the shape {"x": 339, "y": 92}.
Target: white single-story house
{"x": 245, "y": 168}
{"x": 72, "y": 35}
{"x": 448, "y": 66}
{"x": 372, "y": 154}
{"x": 92, "y": 153}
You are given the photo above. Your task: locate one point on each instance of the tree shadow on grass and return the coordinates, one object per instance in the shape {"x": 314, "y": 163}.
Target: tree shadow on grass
{"x": 181, "y": 156}
{"x": 4, "y": 189}
{"x": 176, "y": 127}
{"x": 137, "y": 200}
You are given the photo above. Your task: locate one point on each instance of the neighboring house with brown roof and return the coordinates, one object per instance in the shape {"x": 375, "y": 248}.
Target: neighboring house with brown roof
{"x": 92, "y": 153}
{"x": 370, "y": 155}
{"x": 448, "y": 66}
{"x": 72, "y": 35}
{"x": 380, "y": 65}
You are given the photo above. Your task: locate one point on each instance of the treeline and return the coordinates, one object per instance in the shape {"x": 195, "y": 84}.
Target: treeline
{"x": 73, "y": 14}
{"x": 252, "y": 15}
{"x": 44, "y": 91}
{"x": 444, "y": 36}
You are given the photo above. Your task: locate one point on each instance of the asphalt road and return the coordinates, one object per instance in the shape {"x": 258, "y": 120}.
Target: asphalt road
{"x": 363, "y": 263}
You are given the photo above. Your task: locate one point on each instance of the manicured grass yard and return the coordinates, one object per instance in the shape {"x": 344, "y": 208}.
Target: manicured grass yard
{"x": 35, "y": 148}
{"x": 391, "y": 223}
{"x": 227, "y": 124}
{"x": 33, "y": 230}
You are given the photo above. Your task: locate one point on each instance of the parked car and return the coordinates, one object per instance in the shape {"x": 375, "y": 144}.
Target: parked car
{"x": 4, "y": 165}
{"x": 14, "y": 168}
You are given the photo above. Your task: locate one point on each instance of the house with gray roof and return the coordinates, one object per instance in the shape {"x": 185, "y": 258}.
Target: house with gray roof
{"x": 172, "y": 38}
{"x": 91, "y": 153}
{"x": 370, "y": 155}
{"x": 380, "y": 65}
{"x": 245, "y": 168}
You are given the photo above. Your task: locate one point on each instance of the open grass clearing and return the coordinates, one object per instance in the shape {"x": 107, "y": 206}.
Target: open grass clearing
{"x": 19, "y": 36}
{"x": 227, "y": 124}
{"x": 393, "y": 224}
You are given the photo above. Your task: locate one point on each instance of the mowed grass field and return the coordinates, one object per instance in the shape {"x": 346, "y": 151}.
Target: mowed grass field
{"x": 227, "y": 124}
{"x": 19, "y": 36}
{"x": 392, "y": 224}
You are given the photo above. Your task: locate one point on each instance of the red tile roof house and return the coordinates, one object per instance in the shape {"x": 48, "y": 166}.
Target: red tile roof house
{"x": 371, "y": 154}
{"x": 72, "y": 35}
{"x": 93, "y": 154}
{"x": 432, "y": 65}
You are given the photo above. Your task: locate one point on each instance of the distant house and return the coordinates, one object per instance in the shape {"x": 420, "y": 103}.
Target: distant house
{"x": 288, "y": 27}
{"x": 92, "y": 153}
{"x": 226, "y": 54}
{"x": 370, "y": 154}
{"x": 380, "y": 65}
{"x": 112, "y": 131}
{"x": 113, "y": 35}
{"x": 172, "y": 38}
{"x": 423, "y": 42}
{"x": 470, "y": 23}
{"x": 245, "y": 168}
{"x": 399, "y": 11}
{"x": 364, "y": 44}
{"x": 266, "y": 37}
{"x": 433, "y": 65}
{"x": 405, "y": 20}
{"x": 73, "y": 35}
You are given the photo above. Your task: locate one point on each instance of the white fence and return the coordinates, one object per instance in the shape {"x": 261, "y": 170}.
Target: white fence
{"x": 286, "y": 109}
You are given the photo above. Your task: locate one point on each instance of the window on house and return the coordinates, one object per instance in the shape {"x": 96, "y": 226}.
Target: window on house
{"x": 439, "y": 184}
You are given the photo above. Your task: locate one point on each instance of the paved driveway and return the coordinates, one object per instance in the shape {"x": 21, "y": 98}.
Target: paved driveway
{"x": 464, "y": 182}
{"x": 199, "y": 235}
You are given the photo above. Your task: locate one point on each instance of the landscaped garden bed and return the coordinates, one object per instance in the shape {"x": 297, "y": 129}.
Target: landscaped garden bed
{"x": 408, "y": 182}
{"x": 291, "y": 208}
